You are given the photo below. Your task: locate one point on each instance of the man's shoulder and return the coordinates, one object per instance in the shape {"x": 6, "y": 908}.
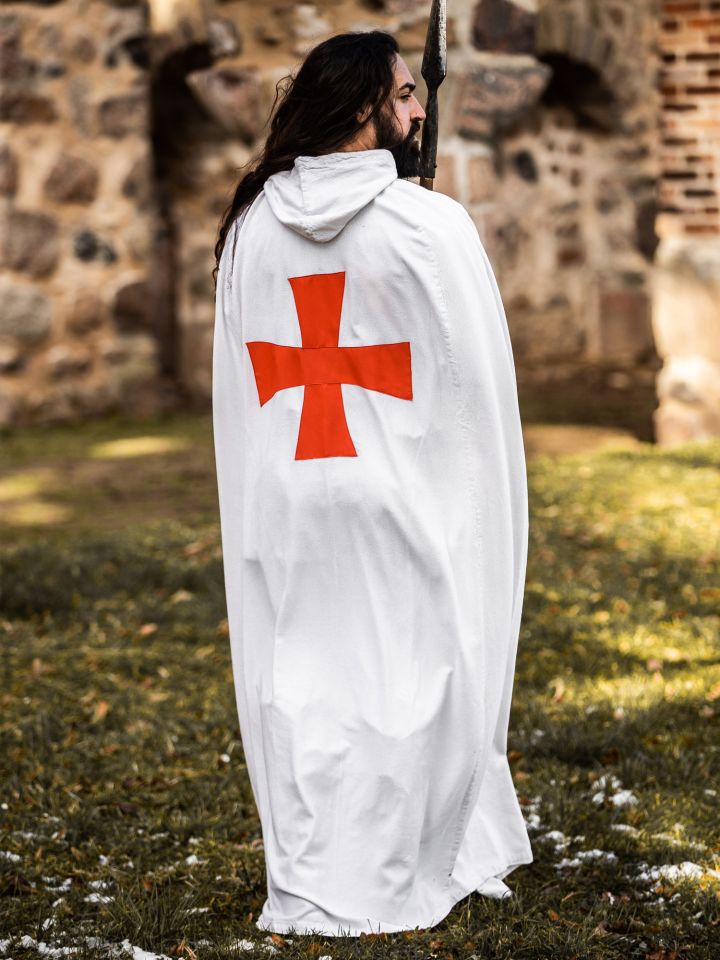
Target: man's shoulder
{"x": 433, "y": 211}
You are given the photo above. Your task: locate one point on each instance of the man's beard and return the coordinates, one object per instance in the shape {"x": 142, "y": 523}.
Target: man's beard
{"x": 405, "y": 150}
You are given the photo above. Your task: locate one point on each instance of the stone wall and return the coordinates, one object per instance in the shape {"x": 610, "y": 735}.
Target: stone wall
{"x": 549, "y": 137}
{"x": 549, "y": 120}
{"x": 687, "y": 283}
{"x": 77, "y": 331}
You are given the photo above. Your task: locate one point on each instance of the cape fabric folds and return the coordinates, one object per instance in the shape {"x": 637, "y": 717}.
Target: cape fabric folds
{"x": 373, "y": 510}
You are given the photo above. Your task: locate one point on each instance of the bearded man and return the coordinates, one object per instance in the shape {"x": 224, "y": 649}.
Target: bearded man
{"x": 373, "y": 510}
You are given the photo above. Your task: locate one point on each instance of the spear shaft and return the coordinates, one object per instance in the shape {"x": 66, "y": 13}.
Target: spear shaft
{"x": 433, "y": 69}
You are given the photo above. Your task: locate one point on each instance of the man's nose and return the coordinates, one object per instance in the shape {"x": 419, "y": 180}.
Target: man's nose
{"x": 418, "y": 113}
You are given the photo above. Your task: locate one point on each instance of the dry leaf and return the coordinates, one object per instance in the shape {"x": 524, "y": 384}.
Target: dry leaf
{"x": 101, "y": 709}
{"x": 155, "y": 696}
{"x": 180, "y": 596}
{"x": 39, "y": 666}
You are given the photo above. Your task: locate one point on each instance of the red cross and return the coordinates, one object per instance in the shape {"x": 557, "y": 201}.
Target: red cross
{"x": 321, "y": 366}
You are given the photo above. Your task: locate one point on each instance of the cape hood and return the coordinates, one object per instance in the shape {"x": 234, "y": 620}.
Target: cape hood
{"x": 320, "y": 195}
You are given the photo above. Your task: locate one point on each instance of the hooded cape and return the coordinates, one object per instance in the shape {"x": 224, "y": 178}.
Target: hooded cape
{"x": 373, "y": 510}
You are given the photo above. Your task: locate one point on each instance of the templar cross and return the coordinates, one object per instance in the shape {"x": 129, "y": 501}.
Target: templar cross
{"x": 321, "y": 367}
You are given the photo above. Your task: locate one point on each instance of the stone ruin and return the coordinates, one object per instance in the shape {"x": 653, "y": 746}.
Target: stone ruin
{"x": 581, "y": 135}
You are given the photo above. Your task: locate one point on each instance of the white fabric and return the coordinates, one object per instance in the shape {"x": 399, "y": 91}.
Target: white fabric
{"x": 373, "y": 600}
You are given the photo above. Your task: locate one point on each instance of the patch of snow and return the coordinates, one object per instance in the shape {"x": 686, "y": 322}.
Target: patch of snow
{"x": 12, "y": 857}
{"x": 139, "y": 954}
{"x": 608, "y": 787}
{"x": 530, "y": 813}
{"x": 269, "y": 946}
{"x": 623, "y": 798}
{"x": 50, "y": 951}
{"x": 586, "y": 856}
{"x": 625, "y": 828}
{"x": 198, "y": 909}
{"x": 100, "y": 884}
{"x": 672, "y": 871}
{"x": 28, "y": 943}
{"x": 192, "y": 860}
{"x": 58, "y": 886}
{"x": 608, "y": 781}
{"x": 97, "y": 898}
{"x": 557, "y": 838}
{"x": 94, "y": 942}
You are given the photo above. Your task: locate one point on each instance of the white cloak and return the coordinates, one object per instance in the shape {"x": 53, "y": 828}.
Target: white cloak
{"x": 374, "y": 553}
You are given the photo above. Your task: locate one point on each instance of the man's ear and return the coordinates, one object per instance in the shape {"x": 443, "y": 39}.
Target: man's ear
{"x": 364, "y": 114}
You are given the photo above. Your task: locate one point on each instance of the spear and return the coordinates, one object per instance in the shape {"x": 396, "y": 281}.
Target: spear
{"x": 433, "y": 69}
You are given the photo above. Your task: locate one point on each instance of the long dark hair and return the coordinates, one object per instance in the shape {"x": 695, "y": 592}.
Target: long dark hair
{"x": 317, "y": 110}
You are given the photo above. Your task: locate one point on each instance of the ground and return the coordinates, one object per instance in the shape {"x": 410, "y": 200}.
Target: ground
{"x": 126, "y": 813}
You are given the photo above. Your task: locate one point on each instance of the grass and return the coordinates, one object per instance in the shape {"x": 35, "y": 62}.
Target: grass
{"x": 126, "y": 812}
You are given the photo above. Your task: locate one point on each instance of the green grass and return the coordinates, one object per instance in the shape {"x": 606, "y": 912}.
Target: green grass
{"x": 120, "y": 755}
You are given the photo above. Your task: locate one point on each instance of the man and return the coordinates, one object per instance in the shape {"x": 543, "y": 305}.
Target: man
{"x": 373, "y": 511}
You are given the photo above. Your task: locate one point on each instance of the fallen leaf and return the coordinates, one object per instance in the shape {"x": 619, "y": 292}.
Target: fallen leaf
{"x": 101, "y": 709}
{"x": 181, "y": 596}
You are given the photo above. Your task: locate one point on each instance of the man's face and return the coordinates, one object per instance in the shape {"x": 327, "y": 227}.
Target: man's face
{"x": 397, "y": 125}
